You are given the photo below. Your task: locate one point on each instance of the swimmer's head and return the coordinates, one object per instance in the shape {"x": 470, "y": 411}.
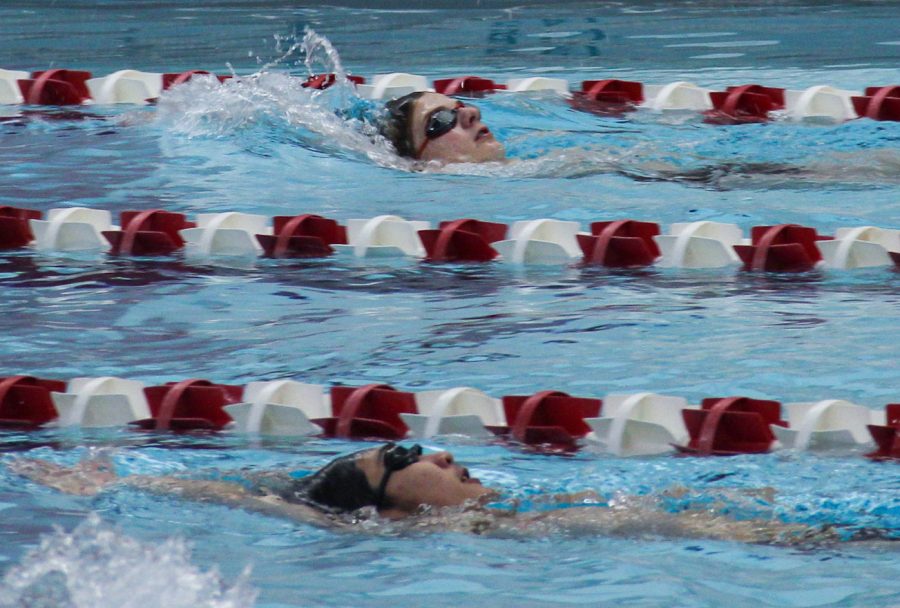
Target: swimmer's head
{"x": 394, "y": 479}
{"x": 430, "y": 126}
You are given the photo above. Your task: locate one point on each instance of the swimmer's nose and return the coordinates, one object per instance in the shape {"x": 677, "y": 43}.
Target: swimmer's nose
{"x": 469, "y": 115}
{"x": 442, "y": 459}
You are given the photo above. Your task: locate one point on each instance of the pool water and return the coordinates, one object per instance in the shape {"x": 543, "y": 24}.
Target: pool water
{"x": 264, "y": 145}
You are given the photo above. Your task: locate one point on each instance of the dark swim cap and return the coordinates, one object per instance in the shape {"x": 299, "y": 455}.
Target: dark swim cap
{"x": 340, "y": 486}
{"x": 396, "y": 125}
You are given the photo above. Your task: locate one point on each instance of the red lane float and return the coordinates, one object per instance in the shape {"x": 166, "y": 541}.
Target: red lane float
{"x": 887, "y": 437}
{"x": 173, "y": 79}
{"x": 192, "y": 404}
{"x": 781, "y": 248}
{"x": 56, "y": 88}
{"x": 302, "y": 236}
{"x": 371, "y": 411}
{"x": 323, "y": 81}
{"x": 15, "y": 232}
{"x": 744, "y": 104}
{"x": 549, "y": 417}
{"x": 25, "y": 401}
{"x": 152, "y": 232}
{"x": 879, "y": 103}
{"x": 735, "y": 105}
{"x": 732, "y": 425}
{"x": 608, "y": 96}
{"x": 464, "y": 240}
{"x": 620, "y": 244}
{"x": 466, "y": 86}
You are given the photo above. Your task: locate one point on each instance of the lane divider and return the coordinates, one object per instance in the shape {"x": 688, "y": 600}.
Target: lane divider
{"x": 620, "y": 244}
{"x": 731, "y": 425}
{"x": 193, "y": 404}
{"x": 456, "y": 411}
{"x": 279, "y": 407}
{"x": 302, "y": 236}
{"x": 887, "y": 435}
{"x": 151, "y": 232}
{"x": 637, "y": 424}
{"x": 781, "y": 248}
{"x": 15, "y": 227}
{"x": 614, "y": 244}
{"x": 464, "y": 240}
{"x": 735, "y": 105}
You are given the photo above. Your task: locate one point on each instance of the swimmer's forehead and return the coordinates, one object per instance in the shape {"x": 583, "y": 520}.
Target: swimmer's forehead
{"x": 429, "y": 102}
{"x": 425, "y": 106}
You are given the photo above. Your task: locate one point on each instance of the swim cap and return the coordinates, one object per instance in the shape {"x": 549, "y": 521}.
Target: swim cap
{"x": 396, "y": 124}
{"x": 340, "y": 486}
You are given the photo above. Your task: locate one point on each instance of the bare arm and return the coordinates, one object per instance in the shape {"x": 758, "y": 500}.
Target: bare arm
{"x": 638, "y": 520}
{"x": 91, "y": 477}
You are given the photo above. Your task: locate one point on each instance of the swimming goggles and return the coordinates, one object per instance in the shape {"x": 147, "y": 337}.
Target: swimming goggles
{"x": 395, "y": 458}
{"x": 440, "y": 123}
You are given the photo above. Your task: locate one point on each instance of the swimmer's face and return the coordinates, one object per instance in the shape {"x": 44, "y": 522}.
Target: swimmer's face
{"x": 435, "y": 480}
{"x": 469, "y": 141}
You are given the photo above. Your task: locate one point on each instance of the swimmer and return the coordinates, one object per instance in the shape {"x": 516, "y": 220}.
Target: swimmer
{"x": 427, "y": 491}
{"x": 433, "y": 127}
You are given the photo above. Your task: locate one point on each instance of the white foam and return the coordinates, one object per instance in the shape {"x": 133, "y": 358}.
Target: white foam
{"x": 97, "y": 565}
{"x": 270, "y": 102}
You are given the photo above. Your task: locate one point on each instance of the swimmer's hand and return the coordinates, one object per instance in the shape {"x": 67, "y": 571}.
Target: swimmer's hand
{"x": 86, "y": 478}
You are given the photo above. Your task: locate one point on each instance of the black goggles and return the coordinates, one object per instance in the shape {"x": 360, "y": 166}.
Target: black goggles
{"x": 395, "y": 458}
{"x": 443, "y": 121}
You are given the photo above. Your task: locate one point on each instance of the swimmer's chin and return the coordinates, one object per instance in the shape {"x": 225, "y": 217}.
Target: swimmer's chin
{"x": 460, "y": 166}
{"x": 494, "y": 155}
{"x": 463, "y": 165}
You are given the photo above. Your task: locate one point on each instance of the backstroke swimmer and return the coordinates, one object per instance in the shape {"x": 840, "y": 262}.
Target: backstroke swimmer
{"x": 428, "y": 491}
{"x": 433, "y": 127}
{"x": 428, "y": 127}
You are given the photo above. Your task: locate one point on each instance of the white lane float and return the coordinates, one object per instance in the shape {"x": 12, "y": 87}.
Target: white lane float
{"x": 699, "y": 245}
{"x": 10, "y": 93}
{"x": 676, "y": 96}
{"x": 390, "y": 86}
{"x": 280, "y": 407}
{"x": 456, "y": 411}
{"x": 639, "y": 424}
{"x": 226, "y": 234}
{"x": 542, "y": 241}
{"x": 538, "y": 83}
{"x": 126, "y": 86}
{"x": 820, "y": 102}
{"x": 100, "y": 402}
{"x": 72, "y": 229}
{"x": 827, "y": 424}
{"x": 383, "y": 236}
{"x": 860, "y": 247}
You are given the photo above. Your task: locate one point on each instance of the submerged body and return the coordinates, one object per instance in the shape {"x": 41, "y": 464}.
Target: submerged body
{"x": 431, "y": 493}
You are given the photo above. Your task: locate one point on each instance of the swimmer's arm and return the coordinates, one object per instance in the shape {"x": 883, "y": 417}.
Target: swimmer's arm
{"x": 90, "y": 477}
{"x": 228, "y": 494}
{"x": 638, "y": 521}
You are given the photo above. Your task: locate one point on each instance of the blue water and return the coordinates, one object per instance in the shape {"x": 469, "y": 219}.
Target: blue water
{"x": 263, "y": 145}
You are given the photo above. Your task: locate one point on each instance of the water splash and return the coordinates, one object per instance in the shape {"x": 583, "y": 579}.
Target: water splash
{"x": 545, "y": 138}
{"x": 97, "y": 565}
{"x": 267, "y": 110}
{"x": 319, "y": 51}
